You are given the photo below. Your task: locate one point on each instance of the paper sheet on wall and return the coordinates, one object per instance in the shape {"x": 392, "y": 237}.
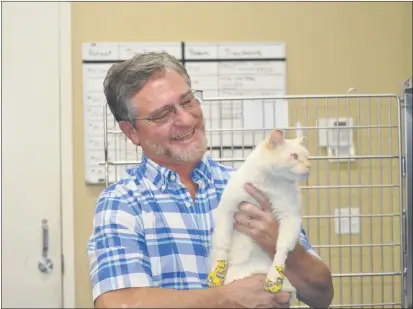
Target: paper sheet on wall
{"x": 239, "y": 70}
{"x": 219, "y": 69}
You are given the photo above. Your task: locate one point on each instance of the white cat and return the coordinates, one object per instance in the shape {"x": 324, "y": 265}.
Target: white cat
{"x": 274, "y": 167}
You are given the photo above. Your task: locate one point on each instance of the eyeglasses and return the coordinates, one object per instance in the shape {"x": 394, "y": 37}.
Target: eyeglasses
{"x": 191, "y": 101}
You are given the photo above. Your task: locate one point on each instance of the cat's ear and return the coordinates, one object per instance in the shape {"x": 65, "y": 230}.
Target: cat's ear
{"x": 276, "y": 138}
{"x": 301, "y": 139}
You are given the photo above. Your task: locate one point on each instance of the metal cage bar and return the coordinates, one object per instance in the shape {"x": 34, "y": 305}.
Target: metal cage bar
{"x": 408, "y": 171}
{"x": 367, "y": 260}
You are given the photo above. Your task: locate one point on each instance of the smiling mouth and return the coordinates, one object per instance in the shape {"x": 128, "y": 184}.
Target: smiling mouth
{"x": 184, "y": 136}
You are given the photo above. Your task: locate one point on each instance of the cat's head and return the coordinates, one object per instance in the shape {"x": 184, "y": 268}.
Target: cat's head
{"x": 287, "y": 157}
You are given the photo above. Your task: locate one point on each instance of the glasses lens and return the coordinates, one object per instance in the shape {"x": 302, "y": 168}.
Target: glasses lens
{"x": 161, "y": 115}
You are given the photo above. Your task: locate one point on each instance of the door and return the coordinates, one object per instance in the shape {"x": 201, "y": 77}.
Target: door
{"x": 31, "y": 167}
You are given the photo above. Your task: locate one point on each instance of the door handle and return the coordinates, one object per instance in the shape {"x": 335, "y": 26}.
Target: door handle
{"x": 45, "y": 264}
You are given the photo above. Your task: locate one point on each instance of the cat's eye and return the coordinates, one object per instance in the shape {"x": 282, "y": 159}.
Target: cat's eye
{"x": 294, "y": 156}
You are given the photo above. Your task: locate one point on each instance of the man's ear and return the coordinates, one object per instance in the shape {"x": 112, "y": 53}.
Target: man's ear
{"x": 130, "y": 131}
{"x": 276, "y": 138}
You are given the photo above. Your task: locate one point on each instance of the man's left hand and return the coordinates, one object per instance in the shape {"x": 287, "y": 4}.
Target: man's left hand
{"x": 258, "y": 223}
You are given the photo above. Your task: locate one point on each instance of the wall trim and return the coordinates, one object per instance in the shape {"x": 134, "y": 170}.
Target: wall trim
{"x": 66, "y": 122}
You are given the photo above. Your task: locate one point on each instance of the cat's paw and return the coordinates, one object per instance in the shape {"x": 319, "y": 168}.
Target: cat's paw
{"x": 275, "y": 279}
{"x": 217, "y": 276}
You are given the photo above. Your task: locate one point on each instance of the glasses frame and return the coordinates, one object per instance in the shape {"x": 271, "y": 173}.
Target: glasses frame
{"x": 172, "y": 107}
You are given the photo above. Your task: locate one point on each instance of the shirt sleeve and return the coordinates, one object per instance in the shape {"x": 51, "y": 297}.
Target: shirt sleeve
{"x": 306, "y": 243}
{"x": 118, "y": 257}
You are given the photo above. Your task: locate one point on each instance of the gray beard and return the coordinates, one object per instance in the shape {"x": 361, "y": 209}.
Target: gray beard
{"x": 189, "y": 154}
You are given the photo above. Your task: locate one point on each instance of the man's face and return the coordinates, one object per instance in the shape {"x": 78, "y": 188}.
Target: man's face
{"x": 182, "y": 137}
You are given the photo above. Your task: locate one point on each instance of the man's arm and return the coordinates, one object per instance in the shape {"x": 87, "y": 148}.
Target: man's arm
{"x": 244, "y": 293}
{"x": 310, "y": 276}
{"x": 147, "y": 297}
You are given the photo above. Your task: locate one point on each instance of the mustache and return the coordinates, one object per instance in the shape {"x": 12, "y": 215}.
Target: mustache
{"x": 200, "y": 125}
{"x": 183, "y": 131}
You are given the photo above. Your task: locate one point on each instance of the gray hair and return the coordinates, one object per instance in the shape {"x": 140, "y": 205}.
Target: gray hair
{"x": 123, "y": 80}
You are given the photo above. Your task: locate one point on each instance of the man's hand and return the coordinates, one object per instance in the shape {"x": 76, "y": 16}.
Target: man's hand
{"x": 260, "y": 224}
{"x": 250, "y": 293}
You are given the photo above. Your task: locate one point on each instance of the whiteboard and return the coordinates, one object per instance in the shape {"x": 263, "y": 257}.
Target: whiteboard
{"x": 220, "y": 69}
{"x": 239, "y": 70}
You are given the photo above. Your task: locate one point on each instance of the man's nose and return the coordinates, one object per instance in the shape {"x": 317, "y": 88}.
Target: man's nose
{"x": 182, "y": 116}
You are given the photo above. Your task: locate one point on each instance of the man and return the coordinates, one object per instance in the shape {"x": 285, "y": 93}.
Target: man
{"x": 152, "y": 229}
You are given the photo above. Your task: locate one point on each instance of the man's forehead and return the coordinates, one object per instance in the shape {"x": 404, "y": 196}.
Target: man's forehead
{"x": 167, "y": 83}
{"x": 162, "y": 96}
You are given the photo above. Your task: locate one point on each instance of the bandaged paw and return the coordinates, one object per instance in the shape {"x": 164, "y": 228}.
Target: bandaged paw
{"x": 275, "y": 279}
{"x": 217, "y": 276}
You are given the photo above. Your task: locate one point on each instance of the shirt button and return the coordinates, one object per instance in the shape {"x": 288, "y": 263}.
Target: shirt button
{"x": 163, "y": 187}
{"x": 187, "y": 204}
{"x": 172, "y": 178}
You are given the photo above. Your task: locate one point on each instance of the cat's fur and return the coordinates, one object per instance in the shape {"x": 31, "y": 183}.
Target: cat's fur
{"x": 274, "y": 167}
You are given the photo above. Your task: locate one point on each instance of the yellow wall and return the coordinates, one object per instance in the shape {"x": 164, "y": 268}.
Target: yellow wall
{"x": 330, "y": 48}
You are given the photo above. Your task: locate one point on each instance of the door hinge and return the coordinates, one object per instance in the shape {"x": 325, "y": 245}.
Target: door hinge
{"x": 63, "y": 264}
{"x": 403, "y": 166}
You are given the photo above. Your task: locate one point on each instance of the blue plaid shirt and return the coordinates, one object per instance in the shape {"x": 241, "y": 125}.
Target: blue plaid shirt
{"x": 149, "y": 232}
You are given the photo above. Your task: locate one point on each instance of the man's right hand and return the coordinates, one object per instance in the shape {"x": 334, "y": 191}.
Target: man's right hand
{"x": 250, "y": 293}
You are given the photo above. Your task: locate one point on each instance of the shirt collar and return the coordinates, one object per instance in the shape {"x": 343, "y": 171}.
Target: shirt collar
{"x": 202, "y": 171}
{"x": 161, "y": 176}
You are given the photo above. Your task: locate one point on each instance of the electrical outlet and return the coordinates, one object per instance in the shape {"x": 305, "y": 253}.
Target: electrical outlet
{"x": 347, "y": 220}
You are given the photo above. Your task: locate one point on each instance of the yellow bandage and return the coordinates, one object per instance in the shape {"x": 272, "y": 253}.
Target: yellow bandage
{"x": 275, "y": 286}
{"x": 217, "y": 276}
